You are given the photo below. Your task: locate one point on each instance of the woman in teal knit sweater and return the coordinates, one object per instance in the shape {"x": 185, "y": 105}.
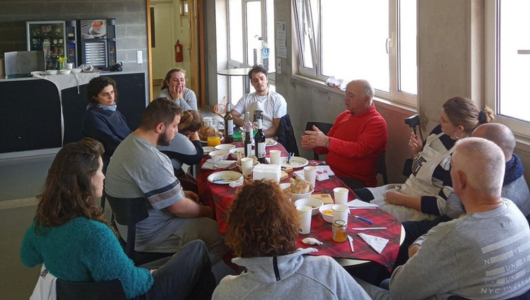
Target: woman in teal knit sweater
{"x": 70, "y": 235}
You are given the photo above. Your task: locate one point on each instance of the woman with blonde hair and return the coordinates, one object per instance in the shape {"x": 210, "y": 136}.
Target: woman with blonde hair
{"x": 424, "y": 194}
{"x": 174, "y": 88}
{"x": 71, "y": 237}
{"x": 262, "y": 231}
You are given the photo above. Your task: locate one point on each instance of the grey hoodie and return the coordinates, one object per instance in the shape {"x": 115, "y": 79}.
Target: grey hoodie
{"x": 296, "y": 277}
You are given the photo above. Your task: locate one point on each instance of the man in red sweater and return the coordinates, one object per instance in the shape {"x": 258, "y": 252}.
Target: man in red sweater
{"x": 357, "y": 138}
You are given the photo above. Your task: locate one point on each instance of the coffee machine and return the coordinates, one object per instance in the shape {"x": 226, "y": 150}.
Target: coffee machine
{"x": 98, "y": 42}
{"x": 72, "y": 40}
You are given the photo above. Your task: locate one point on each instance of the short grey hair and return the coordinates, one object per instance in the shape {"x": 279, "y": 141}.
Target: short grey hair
{"x": 483, "y": 163}
{"x": 367, "y": 87}
{"x": 499, "y": 134}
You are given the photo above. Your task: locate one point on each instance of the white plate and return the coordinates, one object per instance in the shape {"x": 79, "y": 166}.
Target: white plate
{"x": 296, "y": 162}
{"x": 270, "y": 142}
{"x": 224, "y": 177}
{"x": 208, "y": 149}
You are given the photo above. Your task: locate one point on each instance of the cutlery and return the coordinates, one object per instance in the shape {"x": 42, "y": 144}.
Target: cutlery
{"x": 368, "y": 228}
{"x": 289, "y": 158}
{"x": 350, "y": 239}
{"x": 364, "y": 219}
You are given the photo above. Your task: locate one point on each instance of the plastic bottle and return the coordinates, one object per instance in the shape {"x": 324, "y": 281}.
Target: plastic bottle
{"x": 265, "y": 50}
{"x": 260, "y": 143}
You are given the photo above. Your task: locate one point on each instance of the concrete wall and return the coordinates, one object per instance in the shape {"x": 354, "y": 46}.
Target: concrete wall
{"x": 130, "y": 15}
{"x": 450, "y": 60}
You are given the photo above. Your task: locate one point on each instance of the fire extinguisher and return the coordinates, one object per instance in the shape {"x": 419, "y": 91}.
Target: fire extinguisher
{"x": 178, "y": 52}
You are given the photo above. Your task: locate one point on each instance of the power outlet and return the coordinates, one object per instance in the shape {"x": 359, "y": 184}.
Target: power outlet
{"x": 139, "y": 57}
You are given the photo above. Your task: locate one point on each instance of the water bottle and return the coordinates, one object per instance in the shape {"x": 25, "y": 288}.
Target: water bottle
{"x": 265, "y": 50}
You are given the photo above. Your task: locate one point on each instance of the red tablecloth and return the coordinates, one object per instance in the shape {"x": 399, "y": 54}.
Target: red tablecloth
{"x": 220, "y": 197}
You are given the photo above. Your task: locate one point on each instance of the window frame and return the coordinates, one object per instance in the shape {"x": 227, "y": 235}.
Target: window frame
{"x": 521, "y": 129}
{"x": 315, "y": 73}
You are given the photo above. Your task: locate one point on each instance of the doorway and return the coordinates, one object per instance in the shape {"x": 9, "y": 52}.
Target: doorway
{"x": 169, "y": 21}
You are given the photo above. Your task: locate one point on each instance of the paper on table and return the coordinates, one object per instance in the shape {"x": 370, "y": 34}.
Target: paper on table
{"x": 220, "y": 164}
{"x": 377, "y": 243}
{"x": 361, "y": 204}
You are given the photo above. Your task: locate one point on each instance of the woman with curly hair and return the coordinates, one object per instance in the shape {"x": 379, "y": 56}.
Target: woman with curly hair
{"x": 262, "y": 230}
{"x": 102, "y": 120}
{"x": 70, "y": 236}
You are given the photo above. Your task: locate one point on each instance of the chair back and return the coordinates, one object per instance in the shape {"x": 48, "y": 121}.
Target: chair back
{"x": 103, "y": 290}
{"x": 129, "y": 211}
{"x": 324, "y": 127}
{"x": 381, "y": 167}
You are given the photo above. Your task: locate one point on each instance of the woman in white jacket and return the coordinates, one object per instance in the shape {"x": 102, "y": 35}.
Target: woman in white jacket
{"x": 262, "y": 231}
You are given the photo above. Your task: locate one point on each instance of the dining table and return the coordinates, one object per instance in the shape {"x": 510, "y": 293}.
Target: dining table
{"x": 221, "y": 196}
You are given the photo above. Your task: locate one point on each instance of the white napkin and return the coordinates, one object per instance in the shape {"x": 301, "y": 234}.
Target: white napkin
{"x": 220, "y": 164}
{"x": 361, "y": 204}
{"x": 237, "y": 183}
{"x": 377, "y": 243}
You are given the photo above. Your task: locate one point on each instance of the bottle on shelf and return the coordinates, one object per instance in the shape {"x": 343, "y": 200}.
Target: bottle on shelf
{"x": 260, "y": 143}
{"x": 229, "y": 125}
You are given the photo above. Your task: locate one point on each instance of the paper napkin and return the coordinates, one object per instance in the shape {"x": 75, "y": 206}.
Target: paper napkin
{"x": 323, "y": 173}
{"x": 377, "y": 243}
{"x": 361, "y": 204}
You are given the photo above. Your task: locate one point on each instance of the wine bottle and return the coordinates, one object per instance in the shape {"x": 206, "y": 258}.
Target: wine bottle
{"x": 229, "y": 125}
{"x": 248, "y": 127}
{"x": 248, "y": 144}
{"x": 260, "y": 142}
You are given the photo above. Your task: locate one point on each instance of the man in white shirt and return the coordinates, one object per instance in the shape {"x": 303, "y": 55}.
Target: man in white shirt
{"x": 272, "y": 104}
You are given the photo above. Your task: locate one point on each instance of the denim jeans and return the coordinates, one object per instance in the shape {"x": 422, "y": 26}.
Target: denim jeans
{"x": 186, "y": 275}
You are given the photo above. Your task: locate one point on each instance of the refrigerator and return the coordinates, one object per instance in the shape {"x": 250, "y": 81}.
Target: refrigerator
{"x": 48, "y": 37}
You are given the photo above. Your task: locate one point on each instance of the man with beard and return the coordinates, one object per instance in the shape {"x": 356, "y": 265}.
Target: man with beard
{"x": 272, "y": 105}
{"x": 138, "y": 169}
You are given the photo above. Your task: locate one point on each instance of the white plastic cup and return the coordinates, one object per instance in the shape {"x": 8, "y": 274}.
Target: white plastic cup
{"x": 340, "y": 212}
{"x": 247, "y": 164}
{"x": 340, "y": 195}
{"x": 207, "y": 121}
{"x": 69, "y": 66}
{"x": 310, "y": 174}
{"x": 275, "y": 157}
{"x": 304, "y": 214}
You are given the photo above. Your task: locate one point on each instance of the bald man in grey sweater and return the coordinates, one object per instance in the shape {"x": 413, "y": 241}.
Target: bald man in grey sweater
{"x": 481, "y": 255}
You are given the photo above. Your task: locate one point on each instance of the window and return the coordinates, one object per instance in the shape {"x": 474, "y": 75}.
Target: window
{"x": 508, "y": 59}
{"x": 354, "y": 39}
{"x": 248, "y": 20}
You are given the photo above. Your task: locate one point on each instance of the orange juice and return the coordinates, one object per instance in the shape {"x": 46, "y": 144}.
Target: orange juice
{"x": 214, "y": 141}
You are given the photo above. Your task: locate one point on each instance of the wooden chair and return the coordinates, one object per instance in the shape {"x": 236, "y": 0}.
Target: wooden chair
{"x": 103, "y": 290}
{"x": 130, "y": 211}
{"x": 324, "y": 127}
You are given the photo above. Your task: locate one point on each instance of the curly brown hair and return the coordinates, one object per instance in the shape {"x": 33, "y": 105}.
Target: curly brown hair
{"x": 96, "y": 85}
{"x": 262, "y": 221}
{"x": 68, "y": 191}
{"x": 190, "y": 121}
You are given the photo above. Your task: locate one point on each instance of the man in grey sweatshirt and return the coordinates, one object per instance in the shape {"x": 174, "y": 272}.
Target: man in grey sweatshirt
{"x": 481, "y": 255}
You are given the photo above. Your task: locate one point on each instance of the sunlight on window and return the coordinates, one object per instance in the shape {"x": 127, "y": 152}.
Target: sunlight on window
{"x": 253, "y": 29}
{"x": 236, "y": 34}
{"x": 354, "y": 34}
{"x": 408, "y": 70}
{"x": 514, "y": 59}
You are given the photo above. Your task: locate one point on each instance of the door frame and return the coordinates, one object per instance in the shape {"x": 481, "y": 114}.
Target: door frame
{"x": 197, "y": 40}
